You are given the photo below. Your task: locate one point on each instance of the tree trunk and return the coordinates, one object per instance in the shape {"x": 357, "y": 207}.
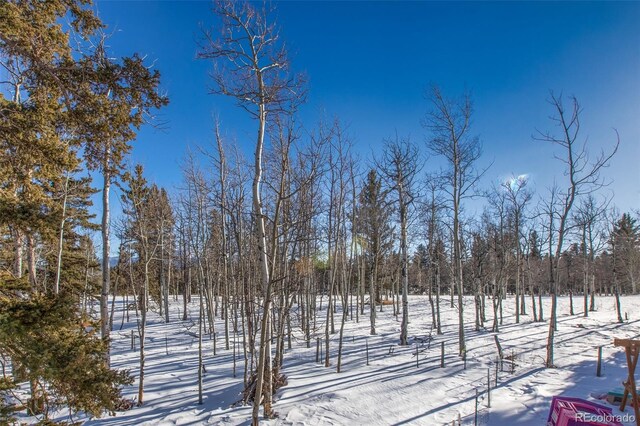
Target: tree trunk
{"x": 433, "y": 308}
{"x": 616, "y": 288}
{"x": 372, "y": 294}
{"x": 200, "y": 333}
{"x": 264, "y": 364}
{"x": 457, "y": 257}
{"x": 18, "y": 242}
{"x": 592, "y": 302}
{"x": 586, "y": 294}
{"x": 186, "y": 281}
{"x": 106, "y": 248}
{"x": 541, "y": 311}
{"x": 31, "y": 260}
{"x": 571, "y": 301}
{"x": 554, "y": 311}
{"x": 438, "y": 298}
{"x": 405, "y": 278}
{"x": 517, "y": 282}
{"x": 56, "y": 288}
{"x": 552, "y": 329}
{"x": 142, "y": 330}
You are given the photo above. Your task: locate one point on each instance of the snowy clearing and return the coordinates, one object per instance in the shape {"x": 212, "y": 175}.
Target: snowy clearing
{"x": 393, "y": 388}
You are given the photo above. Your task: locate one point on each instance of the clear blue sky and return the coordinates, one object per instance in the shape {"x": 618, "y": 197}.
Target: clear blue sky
{"x": 369, "y": 63}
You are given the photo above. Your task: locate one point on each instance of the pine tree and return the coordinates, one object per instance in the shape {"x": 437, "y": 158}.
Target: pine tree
{"x": 373, "y": 218}
{"x": 625, "y": 247}
{"x": 60, "y": 352}
{"x": 44, "y": 200}
{"x": 35, "y": 149}
{"x": 146, "y": 210}
{"x": 113, "y": 100}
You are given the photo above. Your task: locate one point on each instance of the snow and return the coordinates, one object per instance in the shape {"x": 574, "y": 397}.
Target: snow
{"x": 392, "y": 389}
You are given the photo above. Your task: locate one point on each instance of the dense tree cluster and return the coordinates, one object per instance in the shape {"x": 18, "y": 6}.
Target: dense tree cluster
{"x": 65, "y": 108}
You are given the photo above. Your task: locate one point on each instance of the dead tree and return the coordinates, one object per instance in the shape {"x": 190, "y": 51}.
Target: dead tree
{"x": 582, "y": 178}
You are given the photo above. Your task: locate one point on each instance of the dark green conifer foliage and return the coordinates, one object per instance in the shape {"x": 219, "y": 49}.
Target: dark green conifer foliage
{"x": 61, "y": 352}
{"x": 58, "y": 104}
{"x": 625, "y": 248}
{"x": 35, "y": 145}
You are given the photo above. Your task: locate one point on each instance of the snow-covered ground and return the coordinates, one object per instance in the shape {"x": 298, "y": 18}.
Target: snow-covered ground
{"x": 392, "y": 389}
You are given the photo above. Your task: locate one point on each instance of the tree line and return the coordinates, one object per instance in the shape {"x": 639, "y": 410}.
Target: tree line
{"x": 293, "y": 241}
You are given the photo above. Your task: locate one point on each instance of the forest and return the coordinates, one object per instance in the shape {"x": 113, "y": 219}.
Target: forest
{"x": 292, "y": 241}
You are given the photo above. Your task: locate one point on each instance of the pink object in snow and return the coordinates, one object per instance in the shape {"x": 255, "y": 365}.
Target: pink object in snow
{"x": 578, "y": 412}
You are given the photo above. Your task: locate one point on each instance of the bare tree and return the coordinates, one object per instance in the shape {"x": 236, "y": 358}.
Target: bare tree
{"x": 339, "y": 161}
{"x": 449, "y": 124}
{"x": 583, "y": 177}
{"x": 589, "y": 219}
{"x": 143, "y": 227}
{"x": 518, "y": 195}
{"x": 347, "y": 290}
{"x": 197, "y": 234}
{"x": 495, "y": 221}
{"x": 479, "y": 262}
{"x": 433, "y": 207}
{"x": 251, "y": 66}
{"x": 399, "y": 165}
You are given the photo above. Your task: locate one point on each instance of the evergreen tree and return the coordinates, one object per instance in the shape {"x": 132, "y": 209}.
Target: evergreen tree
{"x": 374, "y": 230}
{"x": 35, "y": 148}
{"x": 52, "y": 107}
{"x": 58, "y": 349}
{"x": 113, "y": 100}
{"x": 625, "y": 247}
{"x": 147, "y": 218}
